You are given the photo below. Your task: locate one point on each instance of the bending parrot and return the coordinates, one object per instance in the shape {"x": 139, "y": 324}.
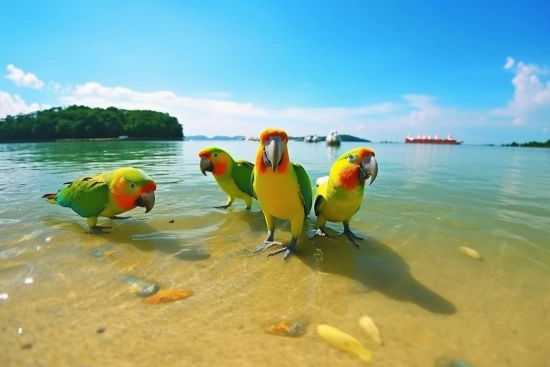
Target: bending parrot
{"x": 282, "y": 188}
{"x": 233, "y": 176}
{"x": 107, "y": 194}
{"x": 339, "y": 196}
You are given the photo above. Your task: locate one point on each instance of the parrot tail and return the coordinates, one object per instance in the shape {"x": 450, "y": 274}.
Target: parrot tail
{"x": 50, "y": 197}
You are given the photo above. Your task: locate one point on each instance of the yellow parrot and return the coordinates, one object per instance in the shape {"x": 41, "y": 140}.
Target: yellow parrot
{"x": 283, "y": 188}
{"x": 340, "y": 194}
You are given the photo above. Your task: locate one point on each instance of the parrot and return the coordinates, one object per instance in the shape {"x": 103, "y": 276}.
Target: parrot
{"x": 106, "y": 194}
{"x": 339, "y": 195}
{"x": 282, "y": 188}
{"x": 233, "y": 176}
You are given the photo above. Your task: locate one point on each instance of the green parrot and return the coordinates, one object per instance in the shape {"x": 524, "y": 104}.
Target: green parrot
{"x": 340, "y": 195}
{"x": 107, "y": 194}
{"x": 233, "y": 176}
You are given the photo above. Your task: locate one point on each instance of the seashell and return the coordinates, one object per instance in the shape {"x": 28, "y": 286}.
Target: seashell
{"x": 343, "y": 341}
{"x": 470, "y": 253}
{"x": 287, "y": 328}
{"x": 371, "y": 329}
{"x": 168, "y": 295}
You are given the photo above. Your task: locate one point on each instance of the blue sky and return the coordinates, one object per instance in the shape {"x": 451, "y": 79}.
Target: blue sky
{"x": 479, "y": 70}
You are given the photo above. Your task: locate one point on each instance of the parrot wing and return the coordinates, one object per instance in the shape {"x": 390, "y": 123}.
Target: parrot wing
{"x": 241, "y": 175}
{"x": 320, "y": 196}
{"x": 306, "y": 191}
{"x": 87, "y": 196}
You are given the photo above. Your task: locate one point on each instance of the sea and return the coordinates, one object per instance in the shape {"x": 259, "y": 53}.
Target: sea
{"x": 69, "y": 298}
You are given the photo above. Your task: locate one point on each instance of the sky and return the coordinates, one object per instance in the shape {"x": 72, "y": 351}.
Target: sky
{"x": 479, "y": 70}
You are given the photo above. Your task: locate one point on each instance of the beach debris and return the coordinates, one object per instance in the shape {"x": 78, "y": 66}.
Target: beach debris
{"x": 371, "y": 329}
{"x": 343, "y": 341}
{"x": 287, "y": 328}
{"x": 470, "y": 253}
{"x": 168, "y": 295}
{"x": 171, "y": 221}
{"x": 140, "y": 287}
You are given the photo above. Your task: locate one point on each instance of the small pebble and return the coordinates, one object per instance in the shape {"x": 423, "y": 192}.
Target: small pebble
{"x": 444, "y": 362}
{"x": 171, "y": 221}
{"x": 26, "y": 346}
{"x": 287, "y": 328}
{"x": 101, "y": 330}
{"x": 144, "y": 288}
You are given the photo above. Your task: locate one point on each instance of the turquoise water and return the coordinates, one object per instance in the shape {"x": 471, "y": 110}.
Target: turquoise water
{"x": 64, "y": 301}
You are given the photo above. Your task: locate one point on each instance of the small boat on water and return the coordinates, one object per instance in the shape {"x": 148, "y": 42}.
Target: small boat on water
{"x": 312, "y": 139}
{"x": 333, "y": 139}
{"x": 423, "y": 139}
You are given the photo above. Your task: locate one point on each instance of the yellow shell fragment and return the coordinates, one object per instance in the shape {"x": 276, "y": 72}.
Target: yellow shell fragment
{"x": 343, "y": 341}
{"x": 470, "y": 253}
{"x": 371, "y": 329}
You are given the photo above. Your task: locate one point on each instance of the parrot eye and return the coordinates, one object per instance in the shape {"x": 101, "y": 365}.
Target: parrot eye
{"x": 351, "y": 157}
{"x": 215, "y": 155}
{"x": 132, "y": 185}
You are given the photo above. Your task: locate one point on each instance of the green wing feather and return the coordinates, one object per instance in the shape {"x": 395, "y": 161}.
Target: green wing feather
{"x": 87, "y": 196}
{"x": 242, "y": 176}
{"x": 305, "y": 186}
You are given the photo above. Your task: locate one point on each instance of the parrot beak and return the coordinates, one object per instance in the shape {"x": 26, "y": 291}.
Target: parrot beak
{"x": 273, "y": 153}
{"x": 206, "y": 165}
{"x": 146, "y": 200}
{"x": 369, "y": 168}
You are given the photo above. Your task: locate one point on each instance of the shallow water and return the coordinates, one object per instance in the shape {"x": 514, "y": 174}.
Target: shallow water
{"x": 64, "y": 299}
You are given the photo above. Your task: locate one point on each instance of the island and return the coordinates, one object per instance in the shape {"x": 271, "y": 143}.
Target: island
{"x": 84, "y": 123}
{"x": 531, "y": 144}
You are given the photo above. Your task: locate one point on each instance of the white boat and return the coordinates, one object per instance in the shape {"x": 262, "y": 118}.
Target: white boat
{"x": 333, "y": 138}
{"x": 312, "y": 139}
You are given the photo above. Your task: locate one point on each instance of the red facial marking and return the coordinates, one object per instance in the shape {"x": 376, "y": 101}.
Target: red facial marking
{"x": 348, "y": 177}
{"x": 219, "y": 168}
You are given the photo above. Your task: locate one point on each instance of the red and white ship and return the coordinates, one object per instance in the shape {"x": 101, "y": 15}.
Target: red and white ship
{"x": 427, "y": 139}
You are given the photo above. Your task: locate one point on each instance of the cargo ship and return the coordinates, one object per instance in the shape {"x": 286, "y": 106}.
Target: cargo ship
{"x": 423, "y": 139}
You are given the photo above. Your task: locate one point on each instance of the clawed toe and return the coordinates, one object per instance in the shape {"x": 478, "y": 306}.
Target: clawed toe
{"x": 222, "y": 206}
{"x": 97, "y": 230}
{"x": 266, "y": 245}
{"x": 320, "y": 232}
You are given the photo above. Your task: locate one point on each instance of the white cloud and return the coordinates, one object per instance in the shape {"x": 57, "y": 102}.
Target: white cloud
{"x": 531, "y": 103}
{"x": 509, "y": 63}
{"x": 22, "y": 79}
{"x": 14, "y": 105}
{"x": 217, "y": 116}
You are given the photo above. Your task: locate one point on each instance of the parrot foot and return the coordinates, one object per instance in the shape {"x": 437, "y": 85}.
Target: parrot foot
{"x": 266, "y": 245}
{"x": 97, "y": 230}
{"x": 320, "y": 232}
{"x": 286, "y": 250}
{"x": 222, "y": 206}
{"x": 351, "y": 237}
{"x": 118, "y": 218}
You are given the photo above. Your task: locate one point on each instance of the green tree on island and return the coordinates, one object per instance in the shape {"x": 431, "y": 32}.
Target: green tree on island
{"x": 81, "y": 122}
{"x": 531, "y": 144}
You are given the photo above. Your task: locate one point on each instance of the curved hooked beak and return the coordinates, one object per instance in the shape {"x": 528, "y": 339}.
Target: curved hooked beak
{"x": 146, "y": 200}
{"x": 368, "y": 168}
{"x": 273, "y": 153}
{"x": 206, "y": 165}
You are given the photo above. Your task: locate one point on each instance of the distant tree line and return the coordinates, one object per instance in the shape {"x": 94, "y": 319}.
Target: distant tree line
{"x": 531, "y": 144}
{"x": 81, "y": 122}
